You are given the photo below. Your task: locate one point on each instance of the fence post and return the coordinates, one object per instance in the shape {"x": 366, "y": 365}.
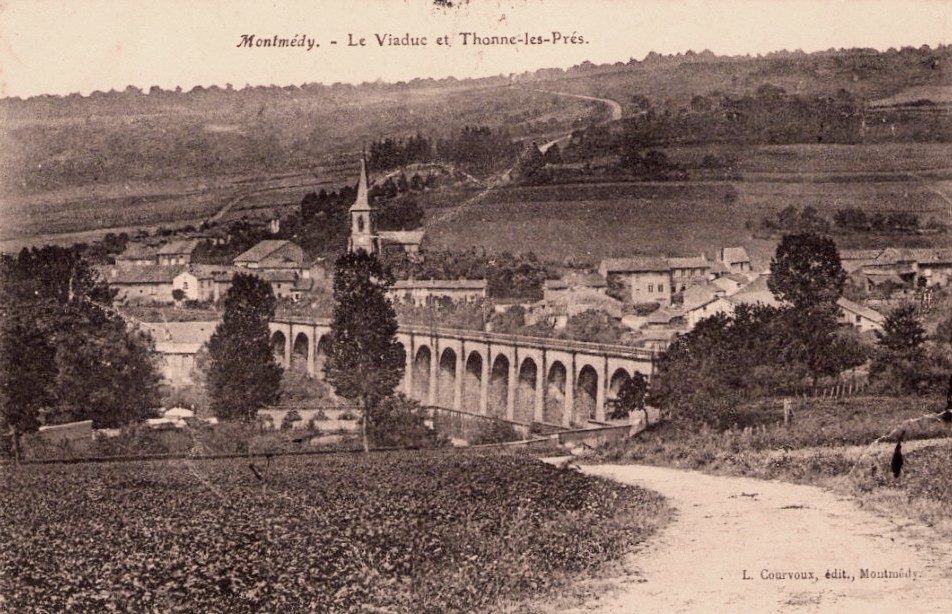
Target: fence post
{"x": 786, "y": 412}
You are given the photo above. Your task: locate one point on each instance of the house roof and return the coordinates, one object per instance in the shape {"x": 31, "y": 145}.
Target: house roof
{"x": 698, "y": 296}
{"x": 214, "y": 272}
{"x": 859, "y": 254}
{"x": 180, "y": 246}
{"x": 731, "y": 255}
{"x": 262, "y": 250}
{"x": 725, "y": 284}
{"x": 147, "y": 274}
{"x": 177, "y": 333}
{"x": 138, "y": 251}
{"x": 755, "y": 292}
{"x": 870, "y": 314}
{"x": 665, "y": 315}
{"x": 694, "y": 262}
{"x": 578, "y": 299}
{"x": 932, "y": 256}
{"x": 576, "y": 280}
{"x": 639, "y": 264}
{"x": 403, "y": 237}
{"x": 440, "y": 284}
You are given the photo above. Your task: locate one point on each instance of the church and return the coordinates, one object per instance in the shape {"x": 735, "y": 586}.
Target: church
{"x": 363, "y": 226}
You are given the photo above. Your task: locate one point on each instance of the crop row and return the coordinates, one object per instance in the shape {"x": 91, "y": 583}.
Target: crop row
{"x": 422, "y": 533}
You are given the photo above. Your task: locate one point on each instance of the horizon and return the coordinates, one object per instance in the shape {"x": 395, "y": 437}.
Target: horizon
{"x": 224, "y": 87}
{"x": 50, "y": 49}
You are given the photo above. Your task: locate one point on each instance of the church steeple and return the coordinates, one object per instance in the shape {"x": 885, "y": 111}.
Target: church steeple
{"x": 363, "y": 227}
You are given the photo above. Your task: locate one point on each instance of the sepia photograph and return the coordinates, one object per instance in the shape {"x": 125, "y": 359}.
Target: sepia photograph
{"x": 490, "y": 306}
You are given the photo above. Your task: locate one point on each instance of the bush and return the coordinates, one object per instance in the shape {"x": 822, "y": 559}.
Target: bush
{"x": 400, "y": 422}
{"x": 290, "y": 418}
{"x": 312, "y": 424}
{"x": 494, "y": 431}
{"x": 644, "y": 309}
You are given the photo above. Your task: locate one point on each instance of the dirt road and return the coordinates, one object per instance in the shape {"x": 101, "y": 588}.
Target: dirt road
{"x": 751, "y": 546}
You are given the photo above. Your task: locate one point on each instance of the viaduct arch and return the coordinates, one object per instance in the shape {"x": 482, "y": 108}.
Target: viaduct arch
{"x": 523, "y": 379}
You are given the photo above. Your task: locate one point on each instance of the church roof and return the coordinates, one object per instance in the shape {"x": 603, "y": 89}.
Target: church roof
{"x": 362, "y": 203}
{"x": 403, "y": 237}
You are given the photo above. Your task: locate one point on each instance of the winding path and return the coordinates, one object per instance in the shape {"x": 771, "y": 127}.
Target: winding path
{"x": 726, "y": 528}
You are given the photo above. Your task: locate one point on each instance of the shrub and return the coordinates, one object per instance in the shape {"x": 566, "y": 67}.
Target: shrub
{"x": 644, "y": 309}
{"x": 287, "y": 423}
{"x": 312, "y": 424}
{"x": 494, "y": 431}
{"x": 399, "y": 422}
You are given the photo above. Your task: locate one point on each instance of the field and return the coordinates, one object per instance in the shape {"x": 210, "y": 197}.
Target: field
{"x": 590, "y": 221}
{"x": 408, "y": 532}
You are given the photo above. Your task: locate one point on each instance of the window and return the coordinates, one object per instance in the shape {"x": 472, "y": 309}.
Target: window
{"x": 360, "y": 223}
{"x": 859, "y": 318}
{"x": 650, "y": 288}
{"x": 184, "y": 285}
{"x": 660, "y": 288}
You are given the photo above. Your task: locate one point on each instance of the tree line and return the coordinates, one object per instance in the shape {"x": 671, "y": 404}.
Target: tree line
{"x": 792, "y": 219}
{"x": 476, "y": 148}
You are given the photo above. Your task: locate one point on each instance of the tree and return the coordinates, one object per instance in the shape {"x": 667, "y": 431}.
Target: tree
{"x": 594, "y": 325}
{"x": 899, "y": 363}
{"x": 27, "y": 365}
{"x": 364, "y": 362}
{"x": 902, "y": 334}
{"x": 106, "y": 372}
{"x": 242, "y": 374}
{"x": 631, "y": 396}
{"x": 65, "y": 352}
{"x": 806, "y": 271}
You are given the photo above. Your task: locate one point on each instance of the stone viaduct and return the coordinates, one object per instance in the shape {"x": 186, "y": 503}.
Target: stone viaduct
{"x": 523, "y": 379}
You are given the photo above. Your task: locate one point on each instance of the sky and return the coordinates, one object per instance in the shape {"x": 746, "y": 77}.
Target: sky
{"x": 66, "y": 46}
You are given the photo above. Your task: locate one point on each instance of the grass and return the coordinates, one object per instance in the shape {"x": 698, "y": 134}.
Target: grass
{"x": 831, "y": 443}
{"x": 420, "y": 532}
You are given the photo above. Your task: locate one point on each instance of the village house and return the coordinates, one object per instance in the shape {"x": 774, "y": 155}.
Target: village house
{"x": 735, "y": 259}
{"x": 890, "y": 267}
{"x": 176, "y": 344}
{"x": 859, "y": 316}
{"x": 141, "y": 283}
{"x": 271, "y": 255}
{"x": 562, "y": 301}
{"x": 154, "y": 253}
{"x": 641, "y": 279}
{"x": 424, "y": 291}
{"x": 204, "y": 282}
{"x": 686, "y": 272}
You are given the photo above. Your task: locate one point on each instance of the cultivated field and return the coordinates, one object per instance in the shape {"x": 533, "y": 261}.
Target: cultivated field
{"x": 408, "y": 532}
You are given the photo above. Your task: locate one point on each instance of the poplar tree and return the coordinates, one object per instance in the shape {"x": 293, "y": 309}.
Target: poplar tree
{"x": 243, "y": 375}
{"x": 365, "y": 362}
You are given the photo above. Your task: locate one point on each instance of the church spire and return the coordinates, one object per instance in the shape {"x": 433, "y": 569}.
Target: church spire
{"x": 363, "y": 194}
{"x": 363, "y": 231}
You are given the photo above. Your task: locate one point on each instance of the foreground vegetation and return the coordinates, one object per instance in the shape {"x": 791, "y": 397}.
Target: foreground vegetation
{"x": 421, "y": 532}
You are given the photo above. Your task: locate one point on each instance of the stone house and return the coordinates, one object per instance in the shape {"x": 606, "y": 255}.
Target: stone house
{"x": 686, "y": 272}
{"x": 642, "y": 279}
